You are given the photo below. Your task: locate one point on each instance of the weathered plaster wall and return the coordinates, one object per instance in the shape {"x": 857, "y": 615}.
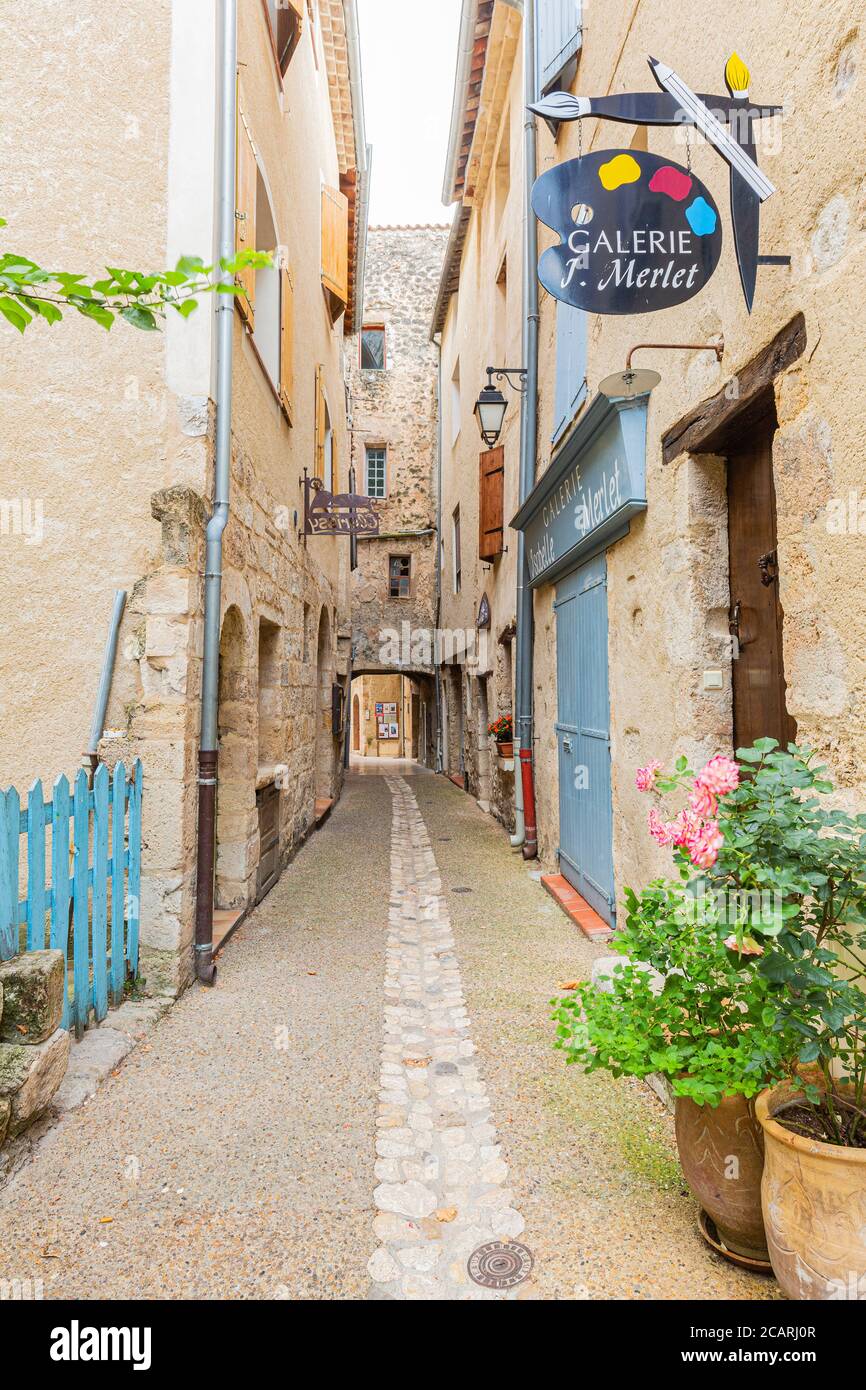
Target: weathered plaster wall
{"x": 483, "y": 327}
{"x": 115, "y": 435}
{"x": 668, "y": 583}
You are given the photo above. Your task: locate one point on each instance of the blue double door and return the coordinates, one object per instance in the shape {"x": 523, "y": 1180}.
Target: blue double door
{"x": 583, "y": 736}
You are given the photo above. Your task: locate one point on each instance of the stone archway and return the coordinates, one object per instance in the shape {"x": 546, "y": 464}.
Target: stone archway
{"x": 236, "y": 793}
{"x": 325, "y": 673}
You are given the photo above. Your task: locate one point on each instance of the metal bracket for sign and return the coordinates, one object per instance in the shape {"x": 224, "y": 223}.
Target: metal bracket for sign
{"x": 337, "y": 514}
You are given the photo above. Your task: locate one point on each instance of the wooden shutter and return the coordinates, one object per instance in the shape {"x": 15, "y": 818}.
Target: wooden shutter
{"x": 287, "y": 343}
{"x": 490, "y": 503}
{"x": 319, "y": 468}
{"x": 245, "y": 221}
{"x": 570, "y": 366}
{"x": 335, "y": 247}
{"x": 559, "y": 37}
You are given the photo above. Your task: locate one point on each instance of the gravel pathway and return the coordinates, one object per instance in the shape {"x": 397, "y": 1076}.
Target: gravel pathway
{"x": 592, "y": 1161}
{"x": 234, "y": 1153}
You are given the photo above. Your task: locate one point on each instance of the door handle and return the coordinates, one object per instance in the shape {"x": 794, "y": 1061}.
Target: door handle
{"x": 769, "y": 566}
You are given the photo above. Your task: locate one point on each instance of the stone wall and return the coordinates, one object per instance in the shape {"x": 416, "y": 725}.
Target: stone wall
{"x": 396, "y": 409}
{"x": 34, "y": 1049}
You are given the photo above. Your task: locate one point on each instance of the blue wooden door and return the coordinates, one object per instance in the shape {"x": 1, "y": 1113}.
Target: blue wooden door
{"x": 583, "y": 736}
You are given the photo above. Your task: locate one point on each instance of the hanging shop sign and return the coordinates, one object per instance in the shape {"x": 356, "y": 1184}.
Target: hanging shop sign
{"x": 586, "y": 499}
{"x": 638, "y": 233}
{"x": 635, "y": 194}
{"x": 337, "y": 514}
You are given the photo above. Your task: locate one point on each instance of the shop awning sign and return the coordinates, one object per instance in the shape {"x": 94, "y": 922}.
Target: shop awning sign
{"x": 589, "y": 494}
{"x": 638, "y": 232}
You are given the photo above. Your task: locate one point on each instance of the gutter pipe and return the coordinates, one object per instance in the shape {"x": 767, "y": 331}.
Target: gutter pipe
{"x": 437, "y": 664}
{"x": 105, "y": 678}
{"x": 208, "y": 741}
{"x": 528, "y": 438}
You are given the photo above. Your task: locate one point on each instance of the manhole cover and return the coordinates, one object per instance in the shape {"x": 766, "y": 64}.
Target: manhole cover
{"x": 500, "y": 1265}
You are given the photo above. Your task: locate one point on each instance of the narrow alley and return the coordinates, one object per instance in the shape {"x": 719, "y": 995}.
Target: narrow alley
{"x": 370, "y": 1090}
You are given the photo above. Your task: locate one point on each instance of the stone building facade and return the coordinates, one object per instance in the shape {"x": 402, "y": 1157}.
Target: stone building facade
{"x": 116, "y": 433}
{"x": 751, "y": 456}
{"x": 394, "y": 454}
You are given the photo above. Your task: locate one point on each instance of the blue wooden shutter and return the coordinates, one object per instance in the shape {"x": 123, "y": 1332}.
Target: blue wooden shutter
{"x": 558, "y": 37}
{"x": 570, "y": 366}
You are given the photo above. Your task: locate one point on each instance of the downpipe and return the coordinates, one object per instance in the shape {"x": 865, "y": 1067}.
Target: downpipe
{"x": 208, "y": 741}
{"x": 528, "y": 442}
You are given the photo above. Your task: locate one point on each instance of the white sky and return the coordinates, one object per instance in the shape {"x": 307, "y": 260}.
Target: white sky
{"x": 408, "y": 68}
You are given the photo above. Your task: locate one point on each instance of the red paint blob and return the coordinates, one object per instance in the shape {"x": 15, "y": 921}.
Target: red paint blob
{"x": 670, "y": 181}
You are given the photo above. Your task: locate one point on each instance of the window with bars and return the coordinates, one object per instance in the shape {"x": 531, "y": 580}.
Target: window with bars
{"x": 375, "y": 469}
{"x": 398, "y": 572}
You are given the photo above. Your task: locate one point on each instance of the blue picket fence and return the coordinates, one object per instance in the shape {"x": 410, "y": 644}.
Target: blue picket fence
{"x": 90, "y": 908}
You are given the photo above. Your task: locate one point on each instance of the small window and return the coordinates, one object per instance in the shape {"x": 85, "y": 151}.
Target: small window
{"x": 373, "y": 348}
{"x": 455, "y": 537}
{"x": 374, "y": 482}
{"x": 398, "y": 574}
{"x": 286, "y": 18}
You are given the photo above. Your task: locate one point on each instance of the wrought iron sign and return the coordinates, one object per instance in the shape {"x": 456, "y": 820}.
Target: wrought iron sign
{"x": 337, "y": 514}
{"x": 639, "y": 232}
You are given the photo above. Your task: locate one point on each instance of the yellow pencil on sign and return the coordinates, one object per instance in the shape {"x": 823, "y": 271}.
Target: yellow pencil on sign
{"x": 714, "y": 131}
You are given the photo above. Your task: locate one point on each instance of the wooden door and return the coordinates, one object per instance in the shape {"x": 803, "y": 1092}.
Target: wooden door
{"x": 583, "y": 736}
{"x": 268, "y": 808}
{"x": 760, "y": 709}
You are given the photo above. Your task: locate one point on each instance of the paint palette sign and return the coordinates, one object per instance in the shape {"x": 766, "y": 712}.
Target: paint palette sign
{"x": 637, "y": 232}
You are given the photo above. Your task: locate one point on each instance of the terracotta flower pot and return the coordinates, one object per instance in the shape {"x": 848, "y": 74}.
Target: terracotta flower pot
{"x": 722, "y": 1156}
{"x": 505, "y": 750}
{"x": 814, "y": 1198}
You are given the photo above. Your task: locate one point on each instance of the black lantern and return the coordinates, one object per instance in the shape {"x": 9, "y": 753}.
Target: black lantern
{"x": 491, "y": 405}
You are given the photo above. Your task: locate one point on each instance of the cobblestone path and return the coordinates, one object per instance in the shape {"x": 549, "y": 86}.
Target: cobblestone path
{"x": 442, "y": 1194}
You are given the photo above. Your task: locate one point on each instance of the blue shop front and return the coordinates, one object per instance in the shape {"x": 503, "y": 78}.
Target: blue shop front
{"x": 581, "y": 507}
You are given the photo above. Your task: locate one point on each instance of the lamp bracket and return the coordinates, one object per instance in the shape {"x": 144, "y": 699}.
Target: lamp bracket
{"x": 506, "y": 373}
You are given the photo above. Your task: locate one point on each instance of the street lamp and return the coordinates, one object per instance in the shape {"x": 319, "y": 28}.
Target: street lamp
{"x": 491, "y": 405}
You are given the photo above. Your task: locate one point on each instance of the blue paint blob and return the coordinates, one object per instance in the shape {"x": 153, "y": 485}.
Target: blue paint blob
{"x": 701, "y": 217}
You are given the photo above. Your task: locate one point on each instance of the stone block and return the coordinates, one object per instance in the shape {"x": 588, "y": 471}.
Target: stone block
{"x": 30, "y": 1076}
{"x": 31, "y": 991}
{"x": 5, "y": 1112}
{"x": 170, "y": 594}
{"x": 90, "y": 1062}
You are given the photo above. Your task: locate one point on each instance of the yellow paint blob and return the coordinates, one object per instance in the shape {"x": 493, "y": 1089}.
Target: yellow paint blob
{"x": 737, "y": 75}
{"x": 621, "y": 169}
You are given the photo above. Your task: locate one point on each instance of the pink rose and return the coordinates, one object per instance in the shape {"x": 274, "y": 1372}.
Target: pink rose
{"x": 720, "y": 775}
{"x": 703, "y": 801}
{"x": 661, "y": 832}
{"x": 685, "y": 828}
{"x": 645, "y": 778}
{"x": 703, "y": 848}
{"x": 749, "y": 947}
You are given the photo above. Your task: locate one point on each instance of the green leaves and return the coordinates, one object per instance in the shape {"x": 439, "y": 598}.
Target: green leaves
{"x": 140, "y": 298}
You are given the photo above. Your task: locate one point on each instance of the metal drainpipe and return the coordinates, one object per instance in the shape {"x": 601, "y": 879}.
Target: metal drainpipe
{"x": 208, "y": 742}
{"x": 437, "y": 669}
{"x": 528, "y": 437}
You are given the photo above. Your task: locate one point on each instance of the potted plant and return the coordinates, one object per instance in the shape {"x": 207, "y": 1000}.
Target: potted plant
{"x": 502, "y": 730}
{"x": 689, "y": 1003}
{"x": 783, "y": 836}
